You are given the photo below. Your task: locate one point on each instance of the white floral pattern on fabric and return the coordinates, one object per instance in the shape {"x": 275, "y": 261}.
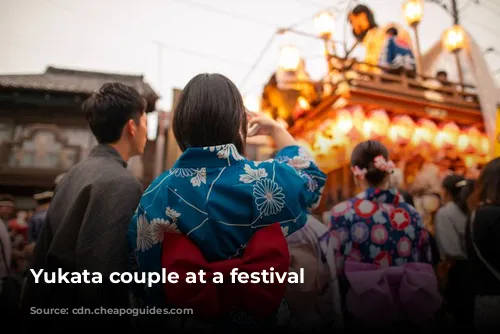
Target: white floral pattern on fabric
{"x": 257, "y": 163}
{"x": 145, "y": 238}
{"x": 299, "y": 162}
{"x": 252, "y": 175}
{"x": 200, "y": 177}
{"x": 183, "y": 172}
{"x": 213, "y": 148}
{"x": 229, "y": 150}
{"x": 172, "y": 214}
{"x": 269, "y": 197}
{"x": 161, "y": 226}
{"x": 305, "y": 153}
{"x": 212, "y": 181}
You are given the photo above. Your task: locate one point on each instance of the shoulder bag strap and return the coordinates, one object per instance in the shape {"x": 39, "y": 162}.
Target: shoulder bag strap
{"x": 483, "y": 260}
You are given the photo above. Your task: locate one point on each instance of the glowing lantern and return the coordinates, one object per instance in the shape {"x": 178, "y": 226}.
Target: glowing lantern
{"x": 475, "y": 138}
{"x": 413, "y": 11}
{"x": 289, "y": 58}
{"x": 376, "y": 125}
{"x": 344, "y": 121}
{"x": 301, "y": 107}
{"x": 463, "y": 143}
{"x": 303, "y": 103}
{"x": 324, "y": 24}
{"x": 448, "y": 136}
{"x": 484, "y": 148}
{"x": 454, "y": 39}
{"x": 401, "y": 130}
{"x": 424, "y": 133}
{"x": 469, "y": 141}
{"x": 350, "y": 121}
{"x": 470, "y": 161}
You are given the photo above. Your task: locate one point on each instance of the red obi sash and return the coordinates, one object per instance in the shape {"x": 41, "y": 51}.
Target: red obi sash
{"x": 267, "y": 248}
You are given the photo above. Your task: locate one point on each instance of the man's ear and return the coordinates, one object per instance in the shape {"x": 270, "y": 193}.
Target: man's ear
{"x": 131, "y": 127}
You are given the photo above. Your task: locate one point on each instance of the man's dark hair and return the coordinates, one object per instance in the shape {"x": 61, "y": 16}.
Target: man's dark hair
{"x": 110, "y": 108}
{"x": 392, "y": 31}
{"x": 359, "y": 9}
{"x": 364, "y": 155}
{"x": 442, "y": 73}
{"x": 210, "y": 112}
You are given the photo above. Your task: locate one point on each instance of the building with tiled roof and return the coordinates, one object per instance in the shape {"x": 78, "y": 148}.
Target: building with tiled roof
{"x": 43, "y": 132}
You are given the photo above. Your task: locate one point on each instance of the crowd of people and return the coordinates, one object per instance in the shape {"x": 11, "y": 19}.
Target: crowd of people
{"x": 374, "y": 263}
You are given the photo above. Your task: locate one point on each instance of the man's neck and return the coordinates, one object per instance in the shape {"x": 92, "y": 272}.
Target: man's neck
{"x": 122, "y": 150}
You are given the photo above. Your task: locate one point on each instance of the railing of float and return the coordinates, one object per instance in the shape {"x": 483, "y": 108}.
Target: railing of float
{"x": 354, "y": 70}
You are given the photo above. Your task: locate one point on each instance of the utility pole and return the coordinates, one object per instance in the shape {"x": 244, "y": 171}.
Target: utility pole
{"x": 160, "y": 138}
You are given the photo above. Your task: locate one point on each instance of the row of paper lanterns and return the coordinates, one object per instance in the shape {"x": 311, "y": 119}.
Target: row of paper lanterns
{"x": 352, "y": 123}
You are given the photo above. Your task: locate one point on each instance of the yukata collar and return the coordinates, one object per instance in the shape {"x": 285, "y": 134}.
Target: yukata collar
{"x": 388, "y": 196}
{"x": 210, "y": 156}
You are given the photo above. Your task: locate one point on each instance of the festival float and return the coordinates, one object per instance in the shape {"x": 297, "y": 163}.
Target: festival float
{"x": 449, "y": 125}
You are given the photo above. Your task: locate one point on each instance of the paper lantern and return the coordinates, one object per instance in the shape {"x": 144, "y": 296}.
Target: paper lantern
{"x": 350, "y": 121}
{"x": 454, "y": 39}
{"x": 289, "y": 58}
{"x": 377, "y": 125}
{"x": 470, "y": 161}
{"x": 484, "y": 148}
{"x": 475, "y": 139}
{"x": 401, "y": 130}
{"x": 447, "y": 137}
{"x": 469, "y": 141}
{"x": 424, "y": 132}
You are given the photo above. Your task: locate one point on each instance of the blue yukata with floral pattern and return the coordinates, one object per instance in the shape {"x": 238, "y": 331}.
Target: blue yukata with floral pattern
{"x": 219, "y": 199}
{"x": 378, "y": 227}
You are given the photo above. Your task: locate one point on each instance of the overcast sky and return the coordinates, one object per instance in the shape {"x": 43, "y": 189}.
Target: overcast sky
{"x": 224, "y": 36}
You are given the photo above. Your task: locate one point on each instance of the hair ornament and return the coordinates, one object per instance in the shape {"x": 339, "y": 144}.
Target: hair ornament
{"x": 460, "y": 183}
{"x": 384, "y": 165}
{"x": 358, "y": 172}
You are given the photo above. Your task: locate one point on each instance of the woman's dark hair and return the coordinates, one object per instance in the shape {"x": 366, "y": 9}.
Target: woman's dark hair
{"x": 210, "y": 112}
{"x": 407, "y": 197}
{"x": 453, "y": 184}
{"x": 464, "y": 195}
{"x": 363, "y": 157}
{"x": 487, "y": 189}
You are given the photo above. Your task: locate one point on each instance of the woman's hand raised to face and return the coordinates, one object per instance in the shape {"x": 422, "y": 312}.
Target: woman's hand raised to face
{"x": 266, "y": 126}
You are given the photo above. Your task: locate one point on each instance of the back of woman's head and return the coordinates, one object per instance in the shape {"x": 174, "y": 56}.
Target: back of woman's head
{"x": 464, "y": 195}
{"x": 453, "y": 184}
{"x": 487, "y": 189}
{"x": 210, "y": 112}
{"x": 366, "y": 160}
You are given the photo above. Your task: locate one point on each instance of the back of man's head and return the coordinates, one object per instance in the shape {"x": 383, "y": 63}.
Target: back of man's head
{"x": 109, "y": 109}
{"x": 392, "y": 31}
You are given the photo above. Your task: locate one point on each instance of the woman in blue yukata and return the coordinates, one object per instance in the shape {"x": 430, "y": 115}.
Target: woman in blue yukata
{"x": 216, "y": 211}
{"x": 383, "y": 254}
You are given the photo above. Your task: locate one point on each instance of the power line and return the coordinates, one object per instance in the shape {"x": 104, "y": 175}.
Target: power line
{"x": 258, "y": 60}
{"x": 201, "y": 54}
{"x": 224, "y": 13}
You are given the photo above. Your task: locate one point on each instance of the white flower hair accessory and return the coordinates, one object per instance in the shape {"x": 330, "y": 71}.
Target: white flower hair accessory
{"x": 358, "y": 172}
{"x": 384, "y": 165}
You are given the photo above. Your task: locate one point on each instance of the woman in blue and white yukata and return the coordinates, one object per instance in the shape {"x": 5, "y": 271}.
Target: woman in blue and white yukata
{"x": 211, "y": 209}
